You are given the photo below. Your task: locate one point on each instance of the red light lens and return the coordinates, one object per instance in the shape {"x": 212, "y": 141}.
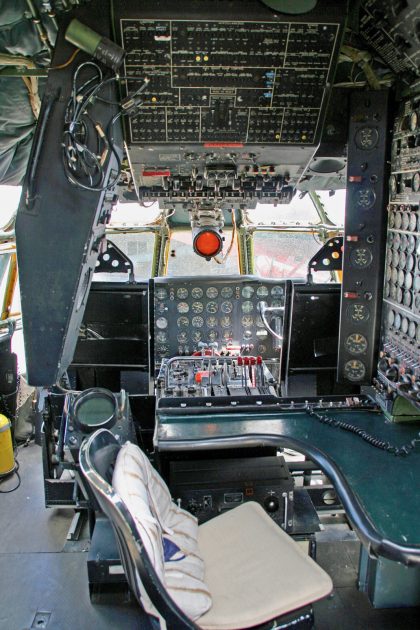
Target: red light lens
{"x": 208, "y": 243}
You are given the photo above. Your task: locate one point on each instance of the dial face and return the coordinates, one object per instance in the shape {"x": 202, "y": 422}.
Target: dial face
{"x": 361, "y": 257}
{"x": 277, "y": 291}
{"x": 226, "y": 292}
{"x": 354, "y": 370}
{"x": 412, "y": 222}
{"x": 390, "y": 318}
{"x": 247, "y": 321}
{"x": 405, "y": 221}
{"x": 213, "y": 335}
{"x": 182, "y": 337}
{"x": 247, "y": 307}
{"x": 366, "y": 138}
{"x": 247, "y": 334}
{"x": 196, "y": 293}
{"x": 358, "y": 312}
{"x": 212, "y": 293}
{"x": 262, "y": 292}
{"x": 196, "y": 336}
{"x": 183, "y": 322}
{"x": 398, "y": 220}
{"x": 183, "y": 307}
{"x": 163, "y": 349}
{"x": 161, "y": 294}
{"x": 262, "y": 348}
{"x": 161, "y": 307}
{"x": 162, "y": 323}
{"x": 212, "y": 307}
{"x": 365, "y": 198}
{"x": 161, "y": 337}
{"x": 413, "y": 121}
{"x": 397, "y": 321}
{"x": 404, "y": 325}
{"x": 247, "y": 292}
{"x": 225, "y": 322}
{"x": 197, "y": 321}
{"x": 415, "y": 182}
{"x": 227, "y": 335}
{"x": 227, "y": 307}
{"x": 412, "y": 330}
{"x": 197, "y": 307}
{"x": 356, "y": 343}
{"x": 182, "y": 293}
{"x": 211, "y": 322}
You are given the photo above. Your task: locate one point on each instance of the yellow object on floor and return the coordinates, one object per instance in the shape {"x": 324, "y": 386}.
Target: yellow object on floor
{"x": 7, "y": 458}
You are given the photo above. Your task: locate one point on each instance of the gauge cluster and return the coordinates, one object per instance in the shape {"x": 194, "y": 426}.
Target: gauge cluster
{"x": 192, "y": 314}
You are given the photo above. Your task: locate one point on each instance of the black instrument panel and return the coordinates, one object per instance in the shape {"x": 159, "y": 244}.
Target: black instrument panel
{"x": 190, "y": 313}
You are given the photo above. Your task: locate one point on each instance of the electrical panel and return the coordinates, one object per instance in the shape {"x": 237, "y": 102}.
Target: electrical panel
{"x": 364, "y": 240}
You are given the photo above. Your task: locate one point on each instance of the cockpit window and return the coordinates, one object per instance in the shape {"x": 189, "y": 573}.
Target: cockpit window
{"x": 132, "y": 214}
{"x": 182, "y": 259}
{"x": 9, "y": 201}
{"x": 139, "y": 248}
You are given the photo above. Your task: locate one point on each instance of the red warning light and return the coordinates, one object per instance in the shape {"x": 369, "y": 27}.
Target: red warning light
{"x": 208, "y": 243}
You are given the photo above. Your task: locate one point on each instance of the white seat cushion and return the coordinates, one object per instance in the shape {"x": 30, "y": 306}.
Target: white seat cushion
{"x": 254, "y": 570}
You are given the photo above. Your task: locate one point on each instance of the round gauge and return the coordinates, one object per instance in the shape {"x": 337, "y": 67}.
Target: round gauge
{"x": 161, "y": 323}
{"x": 225, "y": 322}
{"x": 387, "y": 289}
{"x": 196, "y": 293}
{"x": 397, "y": 241}
{"x": 412, "y": 330}
{"x": 413, "y": 120}
{"x": 393, "y": 186}
{"x": 395, "y": 258}
{"x": 161, "y": 294}
{"x": 262, "y": 334}
{"x": 212, "y": 335}
{"x": 399, "y": 295}
{"x": 162, "y": 349}
{"x": 161, "y": 337}
{"x": 247, "y": 292}
{"x": 407, "y": 298}
{"x": 262, "y": 292}
{"x": 212, "y": 293}
{"x": 356, "y": 343}
{"x": 212, "y": 307}
{"x": 390, "y": 317}
{"x": 398, "y": 220}
{"x": 412, "y": 222}
{"x": 182, "y": 293}
{"x": 183, "y": 322}
{"x": 397, "y": 321}
{"x": 227, "y": 335}
{"x": 277, "y": 291}
{"x": 182, "y": 337}
{"x": 354, "y": 370}
{"x": 358, "y": 312}
{"x": 247, "y": 334}
{"x": 404, "y": 325}
{"x": 262, "y": 348}
{"x": 418, "y": 334}
{"x": 197, "y": 307}
{"x": 388, "y": 273}
{"x": 183, "y": 307}
{"x": 361, "y": 257}
{"x": 411, "y": 244}
{"x": 247, "y": 307}
{"x": 366, "y": 138}
{"x": 161, "y": 307}
{"x": 197, "y": 321}
{"x": 365, "y": 198}
{"x": 408, "y": 282}
{"x": 247, "y": 321}
{"x": 391, "y": 220}
{"x": 196, "y": 336}
{"x": 405, "y": 221}
{"x": 417, "y": 283}
{"x": 415, "y": 182}
{"x": 401, "y": 277}
{"x": 393, "y": 292}
{"x": 226, "y": 292}
{"x": 409, "y": 265}
{"x": 402, "y": 260}
{"x": 211, "y": 322}
{"x": 227, "y": 307}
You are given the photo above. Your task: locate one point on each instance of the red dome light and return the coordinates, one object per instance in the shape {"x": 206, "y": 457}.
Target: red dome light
{"x": 207, "y": 243}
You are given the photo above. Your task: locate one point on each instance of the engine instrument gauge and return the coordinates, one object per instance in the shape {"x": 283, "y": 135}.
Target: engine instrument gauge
{"x": 247, "y": 334}
{"x": 212, "y": 293}
{"x": 358, "y": 312}
{"x": 161, "y": 294}
{"x": 212, "y": 307}
{"x": 354, "y": 370}
{"x": 211, "y": 322}
{"x": 356, "y": 343}
{"x": 182, "y": 337}
{"x": 361, "y": 257}
{"x": 226, "y": 292}
{"x": 183, "y": 307}
{"x": 247, "y": 307}
{"x": 196, "y": 293}
{"x": 183, "y": 322}
{"x": 182, "y": 293}
{"x": 227, "y": 335}
{"x": 163, "y": 349}
{"x": 161, "y": 337}
{"x": 262, "y": 292}
{"x": 225, "y": 322}
{"x": 196, "y": 336}
{"x": 226, "y": 307}
{"x": 247, "y": 321}
{"x": 197, "y": 321}
{"x": 161, "y": 323}
{"x": 247, "y": 292}
{"x": 197, "y": 307}
{"x": 213, "y": 335}
{"x": 277, "y": 291}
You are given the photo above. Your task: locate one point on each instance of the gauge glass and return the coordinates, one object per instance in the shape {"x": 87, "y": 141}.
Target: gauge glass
{"x": 182, "y": 293}
{"x": 183, "y": 322}
{"x": 247, "y": 292}
{"x": 197, "y": 307}
{"x": 354, "y": 370}
{"x": 412, "y": 330}
{"x": 247, "y": 321}
{"x": 391, "y": 317}
{"x": 227, "y": 335}
{"x": 262, "y": 348}
{"x": 277, "y": 291}
{"x": 227, "y": 307}
{"x": 163, "y": 349}
{"x": 247, "y": 307}
{"x": 212, "y": 293}
{"x": 407, "y": 298}
{"x": 247, "y": 334}
{"x": 197, "y": 321}
{"x": 212, "y": 307}
{"x": 358, "y": 312}
{"x": 405, "y": 222}
{"x": 415, "y": 182}
{"x": 356, "y": 343}
{"x": 196, "y": 336}
{"x": 262, "y": 292}
{"x": 225, "y": 322}
{"x": 211, "y": 322}
{"x": 162, "y": 323}
{"x": 213, "y": 335}
{"x": 182, "y": 337}
{"x": 397, "y": 321}
{"x": 183, "y": 307}
{"x": 161, "y": 294}
{"x": 196, "y": 293}
{"x": 361, "y": 257}
{"x": 398, "y": 220}
{"x": 413, "y": 222}
{"x": 226, "y": 292}
{"x": 413, "y": 121}
{"x": 404, "y": 325}
{"x": 161, "y": 337}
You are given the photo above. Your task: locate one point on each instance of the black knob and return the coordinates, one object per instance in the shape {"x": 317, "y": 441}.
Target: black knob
{"x": 271, "y": 503}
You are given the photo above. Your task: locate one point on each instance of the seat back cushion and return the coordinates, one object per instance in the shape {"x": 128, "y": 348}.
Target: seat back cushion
{"x": 175, "y": 554}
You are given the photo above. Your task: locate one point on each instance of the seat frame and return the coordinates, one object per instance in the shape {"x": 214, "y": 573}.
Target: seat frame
{"x": 97, "y": 458}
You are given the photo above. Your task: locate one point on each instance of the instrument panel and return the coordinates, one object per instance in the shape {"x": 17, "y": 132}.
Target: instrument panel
{"x": 220, "y": 313}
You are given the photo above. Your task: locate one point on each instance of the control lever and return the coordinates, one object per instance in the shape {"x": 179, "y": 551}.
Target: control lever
{"x": 263, "y": 309}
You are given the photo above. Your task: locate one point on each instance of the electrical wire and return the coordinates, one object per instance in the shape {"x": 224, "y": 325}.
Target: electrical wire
{"x": 68, "y": 62}
{"x": 221, "y": 261}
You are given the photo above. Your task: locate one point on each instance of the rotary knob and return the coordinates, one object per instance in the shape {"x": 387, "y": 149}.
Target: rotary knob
{"x": 271, "y": 503}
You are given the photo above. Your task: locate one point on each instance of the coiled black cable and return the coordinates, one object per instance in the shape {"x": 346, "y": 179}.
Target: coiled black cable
{"x": 398, "y": 451}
